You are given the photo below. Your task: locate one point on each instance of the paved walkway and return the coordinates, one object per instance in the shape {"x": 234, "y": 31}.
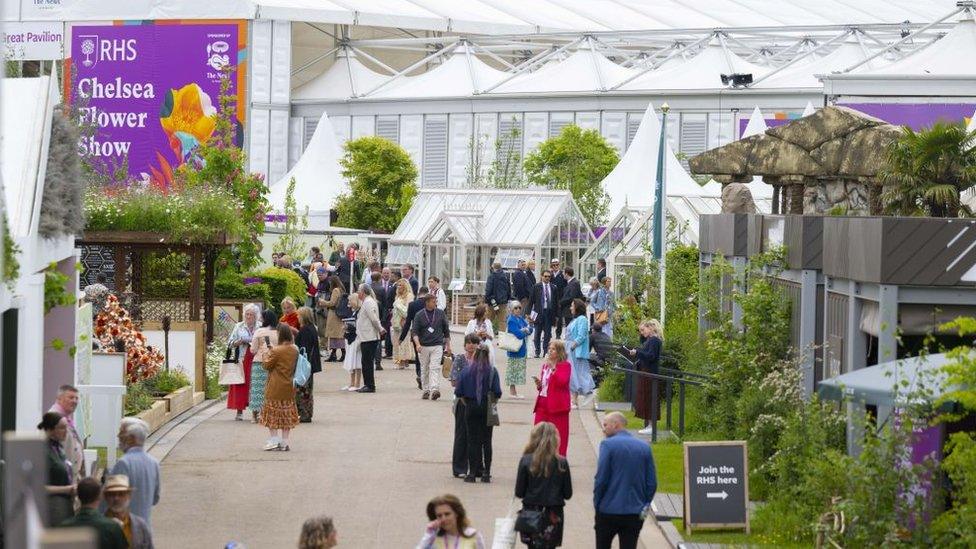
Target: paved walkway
{"x": 371, "y": 461}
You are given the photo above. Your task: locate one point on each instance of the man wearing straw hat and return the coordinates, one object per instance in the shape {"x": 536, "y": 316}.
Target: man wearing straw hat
{"x": 118, "y": 493}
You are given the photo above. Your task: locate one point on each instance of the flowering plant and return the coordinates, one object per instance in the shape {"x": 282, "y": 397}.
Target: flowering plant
{"x": 114, "y": 325}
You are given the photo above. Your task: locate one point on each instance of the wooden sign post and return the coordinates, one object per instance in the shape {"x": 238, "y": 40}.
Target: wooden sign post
{"x": 716, "y": 485}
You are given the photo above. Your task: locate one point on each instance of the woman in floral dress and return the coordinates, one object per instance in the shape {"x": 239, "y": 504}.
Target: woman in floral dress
{"x": 267, "y": 333}
{"x": 402, "y": 350}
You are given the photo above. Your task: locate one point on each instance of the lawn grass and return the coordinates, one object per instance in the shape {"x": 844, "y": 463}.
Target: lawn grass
{"x": 736, "y": 538}
{"x": 669, "y": 462}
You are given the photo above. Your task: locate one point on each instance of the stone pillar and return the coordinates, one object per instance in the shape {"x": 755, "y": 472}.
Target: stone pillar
{"x": 888, "y": 328}
{"x": 796, "y": 198}
{"x": 874, "y": 196}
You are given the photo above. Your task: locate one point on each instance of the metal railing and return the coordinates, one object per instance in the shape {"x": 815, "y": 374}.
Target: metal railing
{"x": 670, "y": 377}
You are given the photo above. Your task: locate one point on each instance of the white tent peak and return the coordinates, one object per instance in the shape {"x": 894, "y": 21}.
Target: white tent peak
{"x": 463, "y": 74}
{"x": 347, "y": 77}
{"x": 701, "y": 72}
{"x": 318, "y": 178}
{"x": 632, "y": 181}
{"x": 584, "y": 70}
{"x": 971, "y": 127}
{"x": 756, "y": 125}
{"x": 809, "y": 109}
{"x": 950, "y": 55}
{"x": 804, "y": 74}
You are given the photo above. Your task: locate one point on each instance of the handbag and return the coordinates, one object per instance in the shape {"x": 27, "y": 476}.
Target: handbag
{"x": 231, "y": 371}
{"x": 447, "y": 362}
{"x": 505, "y": 537}
{"x": 493, "y": 419}
{"x": 601, "y": 316}
{"x": 530, "y": 521}
{"x": 303, "y": 370}
{"x": 509, "y": 342}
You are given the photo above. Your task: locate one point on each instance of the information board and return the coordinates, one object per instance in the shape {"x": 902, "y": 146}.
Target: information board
{"x": 716, "y": 485}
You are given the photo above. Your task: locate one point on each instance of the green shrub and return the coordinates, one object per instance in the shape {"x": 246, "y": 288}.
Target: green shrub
{"x": 166, "y": 287}
{"x": 215, "y": 356}
{"x": 230, "y": 285}
{"x": 165, "y": 382}
{"x": 282, "y": 283}
{"x": 611, "y": 387}
{"x": 137, "y": 399}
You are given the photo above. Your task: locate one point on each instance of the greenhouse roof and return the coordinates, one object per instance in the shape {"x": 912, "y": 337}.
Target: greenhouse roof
{"x": 485, "y": 216}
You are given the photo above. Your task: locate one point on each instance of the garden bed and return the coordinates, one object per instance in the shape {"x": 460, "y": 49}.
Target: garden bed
{"x": 164, "y": 409}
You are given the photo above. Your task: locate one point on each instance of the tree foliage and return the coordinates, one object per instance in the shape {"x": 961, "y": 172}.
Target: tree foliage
{"x": 382, "y": 185}
{"x": 925, "y": 172}
{"x": 504, "y": 171}
{"x": 290, "y": 242}
{"x": 576, "y": 160}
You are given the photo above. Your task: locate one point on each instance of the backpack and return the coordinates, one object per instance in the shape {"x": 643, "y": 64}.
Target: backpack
{"x": 303, "y": 370}
{"x": 342, "y": 308}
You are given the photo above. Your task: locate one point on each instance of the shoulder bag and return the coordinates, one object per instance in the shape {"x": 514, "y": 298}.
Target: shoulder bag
{"x": 531, "y": 521}
{"x": 509, "y": 342}
{"x": 231, "y": 371}
{"x": 303, "y": 370}
{"x": 493, "y": 419}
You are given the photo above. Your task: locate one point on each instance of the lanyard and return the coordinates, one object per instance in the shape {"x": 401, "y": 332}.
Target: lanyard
{"x": 430, "y": 317}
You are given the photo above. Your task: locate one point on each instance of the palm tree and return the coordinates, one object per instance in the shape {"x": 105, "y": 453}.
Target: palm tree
{"x": 926, "y": 171}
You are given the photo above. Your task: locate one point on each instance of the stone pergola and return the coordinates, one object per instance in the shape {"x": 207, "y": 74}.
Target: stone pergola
{"x": 826, "y": 160}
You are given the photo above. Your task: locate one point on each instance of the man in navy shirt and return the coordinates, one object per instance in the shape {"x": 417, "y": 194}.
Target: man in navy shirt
{"x": 624, "y": 485}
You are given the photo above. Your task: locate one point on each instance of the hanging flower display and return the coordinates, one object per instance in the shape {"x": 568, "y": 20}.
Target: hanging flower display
{"x": 114, "y": 327}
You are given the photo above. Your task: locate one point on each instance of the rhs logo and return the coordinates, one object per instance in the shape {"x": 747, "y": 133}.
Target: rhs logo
{"x": 88, "y": 48}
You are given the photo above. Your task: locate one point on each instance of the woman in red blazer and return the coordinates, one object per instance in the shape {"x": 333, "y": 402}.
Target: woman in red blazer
{"x": 553, "y": 403}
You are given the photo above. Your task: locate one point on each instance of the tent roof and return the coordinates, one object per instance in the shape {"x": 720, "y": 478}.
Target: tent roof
{"x": 701, "y": 72}
{"x": 27, "y": 107}
{"x": 318, "y": 179}
{"x": 804, "y": 76}
{"x": 485, "y": 216}
{"x": 586, "y": 70}
{"x": 950, "y": 55}
{"x": 460, "y": 75}
{"x": 632, "y": 181}
{"x": 346, "y": 78}
{"x": 505, "y": 16}
{"x": 877, "y": 384}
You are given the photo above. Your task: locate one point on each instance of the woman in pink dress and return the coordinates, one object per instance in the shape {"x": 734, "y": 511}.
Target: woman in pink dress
{"x": 553, "y": 402}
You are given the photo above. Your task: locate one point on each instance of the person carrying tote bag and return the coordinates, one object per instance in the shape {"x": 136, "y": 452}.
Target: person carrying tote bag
{"x": 543, "y": 482}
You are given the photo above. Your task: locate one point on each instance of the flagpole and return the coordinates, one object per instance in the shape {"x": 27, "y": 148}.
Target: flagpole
{"x": 664, "y": 197}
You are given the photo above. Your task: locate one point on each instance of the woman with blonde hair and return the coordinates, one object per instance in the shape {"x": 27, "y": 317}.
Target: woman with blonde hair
{"x": 402, "y": 347}
{"x": 544, "y": 484}
{"x": 480, "y": 326}
{"x": 307, "y": 340}
{"x": 648, "y": 360}
{"x": 318, "y": 533}
{"x": 289, "y": 314}
{"x": 553, "y": 402}
{"x": 449, "y": 526}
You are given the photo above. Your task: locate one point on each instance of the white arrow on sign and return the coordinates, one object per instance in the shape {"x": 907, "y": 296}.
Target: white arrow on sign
{"x": 717, "y": 495}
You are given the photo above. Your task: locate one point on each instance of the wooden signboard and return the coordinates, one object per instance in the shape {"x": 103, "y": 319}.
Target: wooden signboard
{"x": 716, "y": 485}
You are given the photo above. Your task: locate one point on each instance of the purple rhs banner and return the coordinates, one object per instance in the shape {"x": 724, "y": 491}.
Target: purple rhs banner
{"x": 152, "y": 91}
{"x": 915, "y": 115}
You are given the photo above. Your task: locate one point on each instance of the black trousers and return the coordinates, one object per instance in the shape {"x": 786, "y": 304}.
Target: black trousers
{"x": 479, "y": 437}
{"x": 543, "y": 331}
{"x": 627, "y": 527}
{"x": 459, "y": 458}
{"x": 387, "y": 339}
{"x": 368, "y": 350}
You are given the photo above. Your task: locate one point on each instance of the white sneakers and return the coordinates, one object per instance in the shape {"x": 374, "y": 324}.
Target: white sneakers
{"x": 588, "y": 399}
{"x": 646, "y": 431}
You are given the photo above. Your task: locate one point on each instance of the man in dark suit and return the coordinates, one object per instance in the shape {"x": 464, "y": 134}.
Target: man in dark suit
{"x": 407, "y": 272}
{"x": 559, "y": 281}
{"x": 530, "y": 272}
{"x": 412, "y": 311}
{"x": 571, "y": 291}
{"x": 349, "y": 270}
{"x": 387, "y": 281}
{"x": 521, "y": 289}
{"x": 543, "y": 307}
{"x": 382, "y": 305}
{"x": 498, "y": 292}
{"x": 601, "y": 269}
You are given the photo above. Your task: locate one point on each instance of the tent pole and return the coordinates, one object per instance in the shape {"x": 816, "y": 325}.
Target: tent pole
{"x": 910, "y": 36}
{"x": 525, "y": 66}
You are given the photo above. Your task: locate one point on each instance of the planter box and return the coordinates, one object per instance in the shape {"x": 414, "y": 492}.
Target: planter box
{"x": 199, "y": 397}
{"x": 179, "y": 401}
{"x": 155, "y": 416}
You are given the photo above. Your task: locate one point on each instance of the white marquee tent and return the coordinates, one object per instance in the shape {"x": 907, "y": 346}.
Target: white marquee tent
{"x": 804, "y": 75}
{"x": 631, "y": 183}
{"x": 347, "y": 77}
{"x": 318, "y": 177}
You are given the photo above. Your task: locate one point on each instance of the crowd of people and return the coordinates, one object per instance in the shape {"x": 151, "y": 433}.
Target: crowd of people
{"x": 358, "y": 319}
{"x": 118, "y": 505}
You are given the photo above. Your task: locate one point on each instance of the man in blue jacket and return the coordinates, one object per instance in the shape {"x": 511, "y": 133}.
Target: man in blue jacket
{"x": 624, "y": 486}
{"x": 498, "y": 292}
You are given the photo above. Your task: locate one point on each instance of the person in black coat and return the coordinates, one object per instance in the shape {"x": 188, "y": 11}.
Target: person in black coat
{"x": 559, "y": 281}
{"x": 601, "y": 269}
{"x": 498, "y": 293}
{"x": 387, "y": 283}
{"x": 407, "y": 272}
{"x": 412, "y": 311}
{"x": 544, "y": 483}
{"x": 543, "y": 307}
{"x": 648, "y": 357}
{"x": 349, "y": 268}
{"x": 307, "y": 340}
{"x": 569, "y": 292}
{"x": 383, "y": 305}
{"x": 521, "y": 289}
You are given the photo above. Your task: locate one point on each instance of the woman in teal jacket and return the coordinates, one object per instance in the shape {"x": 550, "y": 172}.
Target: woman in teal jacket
{"x": 578, "y": 343}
